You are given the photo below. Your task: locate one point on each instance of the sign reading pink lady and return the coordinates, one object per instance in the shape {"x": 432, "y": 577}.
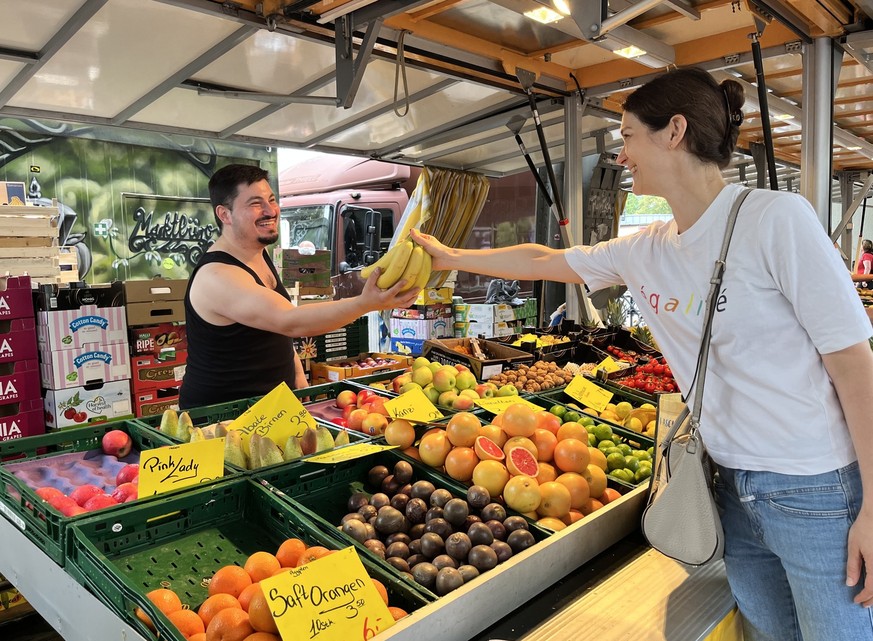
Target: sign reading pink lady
{"x": 88, "y": 325}
{"x": 65, "y": 368}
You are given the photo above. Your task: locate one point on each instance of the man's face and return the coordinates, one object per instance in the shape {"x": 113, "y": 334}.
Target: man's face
{"x": 255, "y": 213}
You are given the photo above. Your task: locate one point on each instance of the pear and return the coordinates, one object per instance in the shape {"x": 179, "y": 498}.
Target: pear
{"x": 293, "y": 450}
{"x": 254, "y": 452}
{"x": 341, "y": 439}
{"x": 309, "y": 442}
{"x": 269, "y": 452}
{"x": 170, "y": 422}
{"x": 233, "y": 450}
{"x": 197, "y": 434}
{"x": 185, "y": 426}
{"x": 323, "y": 439}
{"x": 220, "y": 430}
{"x": 209, "y": 431}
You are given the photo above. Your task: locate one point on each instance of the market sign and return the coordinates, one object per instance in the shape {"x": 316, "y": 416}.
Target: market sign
{"x": 348, "y": 453}
{"x": 588, "y": 393}
{"x": 173, "y": 467}
{"x": 498, "y": 404}
{"x": 331, "y": 598}
{"x": 413, "y": 405}
{"x": 277, "y": 416}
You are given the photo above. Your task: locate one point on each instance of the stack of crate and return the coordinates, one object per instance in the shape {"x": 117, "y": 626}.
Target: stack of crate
{"x": 21, "y": 412}
{"x": 29, "y": 245}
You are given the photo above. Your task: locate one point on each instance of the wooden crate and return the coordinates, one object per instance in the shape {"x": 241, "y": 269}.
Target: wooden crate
{"x": 29, "y": 245}
{"x": 298, "y": 294}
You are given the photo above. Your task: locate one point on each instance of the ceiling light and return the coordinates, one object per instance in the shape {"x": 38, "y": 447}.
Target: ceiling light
{"x": 853, "y": 148}
{"x": 630, "y": 52}
{"x": 783, "y": 117}
{"x": 562, "y": 6}
{"x": 623, "y": 40}
{"x": 543, "y": 15}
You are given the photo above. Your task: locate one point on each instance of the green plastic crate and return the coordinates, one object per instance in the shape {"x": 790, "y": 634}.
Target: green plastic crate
{"x": 40, "y": 522}
{"x": 346, "y": 342}
{"x": 321, "y": 493}
{"x": 180, "y": 541}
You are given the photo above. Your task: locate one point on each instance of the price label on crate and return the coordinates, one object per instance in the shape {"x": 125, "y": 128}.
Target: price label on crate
{"x": 607, "y": 365}
{"x": 588, "y": 393}
{"x": 277, "y": 416}
{"x": 413, "y": 405}
{"x": 498, "y": 404}
{"x": 176, "y": 466}
{"x": 348, "y": 453}
{"x": 331, "y": 598}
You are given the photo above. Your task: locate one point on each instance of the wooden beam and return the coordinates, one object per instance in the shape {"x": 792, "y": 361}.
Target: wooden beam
{"x": 434, "y": 8}
{"x": 841, "y": 85}
{"x": 827, "y": 15}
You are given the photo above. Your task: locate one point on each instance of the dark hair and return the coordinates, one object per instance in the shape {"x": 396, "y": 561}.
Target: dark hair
{"x": 712, "y": 110}
{"x": 867, "y": 245}
{"x": 224, "y": 184}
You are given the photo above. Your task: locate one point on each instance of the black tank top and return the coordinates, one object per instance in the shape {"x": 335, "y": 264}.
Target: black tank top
{"x": 230, "y": 362}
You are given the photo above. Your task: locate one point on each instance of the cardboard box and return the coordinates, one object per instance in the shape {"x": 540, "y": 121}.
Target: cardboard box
{"x": 13, "y": 605}
{"x": 19, "y": 420}
{"x": 352, "y": 368}
{"x": 463, "y": 330}
{"x": 499, "y": 357}
{"x": 157, "y": 339}
{"x": 65, "y": 368}
{"x": 423, "y": 312}
{"x": 80, "y": 406}
{"x": 156, "y": 301}
{"x": 429, "y": 296}
{"x": 18, "y": 341}
{"x": 15, "y": 298}
{"x": 19, "y": 381}
{"x": 154, "y": 401}
{"x": 149, "y": 372}
{"x": 407, "y": 346}
{"x": 87, "y": 326}
{"x": 308, "y": 270}
{"x": 421, "y": 329}
{"x": 52, "y": 297}
{"x": 487, "y": 314}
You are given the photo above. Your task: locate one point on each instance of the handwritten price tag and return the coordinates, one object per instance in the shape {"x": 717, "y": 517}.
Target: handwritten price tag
{"x": 348, "y": 453}
{"x": 413, "y": 405}
{"x": 588, "y": 393}
{"x": 331, "y": 598}
{"x": 607, "y": 365}
{"x": 278, "y": 415}
{"x": 176, "y": 466}
{"x": 498, "y": 404}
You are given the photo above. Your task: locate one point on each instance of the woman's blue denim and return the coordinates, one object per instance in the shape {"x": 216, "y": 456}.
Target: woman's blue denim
{"x": 786, "y": 551}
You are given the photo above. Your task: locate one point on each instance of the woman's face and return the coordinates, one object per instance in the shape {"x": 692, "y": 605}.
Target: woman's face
{"x": 643, "y": 155}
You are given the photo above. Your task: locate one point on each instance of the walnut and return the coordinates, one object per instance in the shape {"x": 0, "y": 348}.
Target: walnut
{"x": 535, "y": 387}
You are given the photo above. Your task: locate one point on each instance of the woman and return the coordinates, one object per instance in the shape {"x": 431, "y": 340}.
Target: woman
{"x": 864, "y": 264}
{"x": 786, "y": 408}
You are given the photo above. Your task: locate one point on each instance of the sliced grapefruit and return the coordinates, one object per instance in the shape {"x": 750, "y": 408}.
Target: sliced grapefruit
{"x": 520, "y": 461}
{"x": 488, "y": 450}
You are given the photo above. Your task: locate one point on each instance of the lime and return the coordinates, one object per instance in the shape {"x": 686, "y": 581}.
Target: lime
{"x": 651, "y": 451}
{"x": 642, "y": 455}
{"x": 615, "y": 461}
{"x": 612, "y": 450}
{"x": 631, "y": 463}
{"x": 616, "y": 439}
{"x": 625, "y": 448}
{"x": 558, "y": 410}
{"x": 605, "y": 445}
{"x": 586, "y": 421}
{"x": 642, "y": 474}
{"x": 571, "y": 417}
{"x": 647, "y": 464}
{"x": 592, "y": 440}
{"x": 602, "y": 431}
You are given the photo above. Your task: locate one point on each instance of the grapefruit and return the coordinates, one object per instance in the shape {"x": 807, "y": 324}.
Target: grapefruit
{"x": 460, "y": 463}
{"x": 492, "y": 475}
{"x": 522, "y": 494}
{"x": 547, "y": 472}
{"x": 520, "y": 461}
{"x": 434, "y": 448}
{"x": 519, "y": 420}
{"x": 488, "y": 450}
{"x": 520, "y": 441}
{"x": 463, "y": 428}
{"x": 555, "y": 500}
{"x": 495, "y": 433}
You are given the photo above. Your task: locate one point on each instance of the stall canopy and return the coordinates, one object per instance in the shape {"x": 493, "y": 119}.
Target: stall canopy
{"x": 429, "y": 82}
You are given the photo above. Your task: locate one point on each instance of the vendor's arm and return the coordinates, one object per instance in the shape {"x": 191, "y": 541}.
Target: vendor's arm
{"x": 851, "y": 370}
{"x": 858, "y": 278}
{"x": 520, "y": 262}
{"x": 225, "y": 294}
{"x": 300, "y": 380}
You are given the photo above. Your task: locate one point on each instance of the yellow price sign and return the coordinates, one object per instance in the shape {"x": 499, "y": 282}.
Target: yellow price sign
{"x": 331, "y": 598}
{"x": 607, "y": 365}
{"x": 588, "y": 393}
{"x": 413, "y": 405}
{"x": 348, "y": 453}
{"x": 176, "y": 466}
{"x": 277, "y": 416}
{"x": 498, "y": 404}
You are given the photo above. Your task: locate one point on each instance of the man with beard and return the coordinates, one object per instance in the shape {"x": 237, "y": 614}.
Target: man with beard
{"x": 239, "y": 316}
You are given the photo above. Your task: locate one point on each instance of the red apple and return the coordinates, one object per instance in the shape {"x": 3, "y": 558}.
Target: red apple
{"x": 85, "y": 493}
{"x": 377, "y": 405}
{"x": 356, "y": 419}
{"x": 99, "y": 502}
{"x": 117, "y": 443}
{"x": 47, "y": 493}
{"x": 348, "y": 410}
{"x": 461, "y": 368}
{"x": 342, "y": 422}
{"x": 484, "y": 391}
{"x": 62, "y": 502}
{"x": 346, "y": 398}
{"x": 127, "y": 474}
{"x": 72, "y": 510}
{"x": 364, "y": 397}
{"x": 124, "y": 492}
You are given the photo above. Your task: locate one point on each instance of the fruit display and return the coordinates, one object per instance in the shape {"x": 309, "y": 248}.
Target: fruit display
{"x": 361, "y": 411}
{"x": 405, "y": 261}
{"x": 369, "y": 362}
{"x": 262, "y": 451}
{"x": 651, "y": 377}
{"x": 538, "y": 377}
{"x": 626, "y": 413}
{"x": 540, "y": 340}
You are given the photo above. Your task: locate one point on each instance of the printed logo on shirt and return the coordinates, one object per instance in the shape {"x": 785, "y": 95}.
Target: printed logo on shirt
{"x": 691, "y": 305}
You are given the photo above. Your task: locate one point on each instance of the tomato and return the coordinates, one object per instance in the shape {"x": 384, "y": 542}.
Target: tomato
{"x": 650, "y": 387}
{"x": 659, "y": 369}
{"x": 668, "y": 372}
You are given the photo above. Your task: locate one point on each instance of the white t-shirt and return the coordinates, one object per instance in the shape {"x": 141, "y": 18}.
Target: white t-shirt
{"x": 786, "y": 298}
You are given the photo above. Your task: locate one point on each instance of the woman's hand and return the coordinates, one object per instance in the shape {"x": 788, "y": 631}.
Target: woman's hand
{"x": 439, "y": 252}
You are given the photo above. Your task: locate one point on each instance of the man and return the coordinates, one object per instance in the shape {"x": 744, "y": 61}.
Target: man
{"x": 239, "y": 317}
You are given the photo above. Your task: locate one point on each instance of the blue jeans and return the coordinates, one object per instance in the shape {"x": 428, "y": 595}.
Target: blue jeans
{"x": 785, "y": 553}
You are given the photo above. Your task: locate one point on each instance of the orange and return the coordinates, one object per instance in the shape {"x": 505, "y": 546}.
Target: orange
{"x": 552, "y": 523}
{"x": 289, "y": 552}
{"x": 413, "y": 452}
{"x": 261, "y": 565}
{"x": 397, "y": 613}
{"x": 573, "y": 430}
{"x": 556, "y": 500}
{"x": 519, "y": 420}
{"x": 497, "y": 420}
{"x": 545, "y": 442}
{"x": 216, "y": 603}
{"x": 546, "y": 473}
{"x": 198, "y": 637}
{"x": 380, "y": 588}
{"x": 434, "y": 448}
{"x": 311, "y": 554}
{"x": 598, "y": 458}
{"x": 231, "y": 579}
{"x": 247, "y": 594}
{"x": 229, "y": 625}
{"x": 460, "y": 463}
{"x": 164, "y": 600}
{"x": 596, "y": 478}
{"x": 571, "y": 455}
{"x": 578, "y": 487}
{"x": 262, "y": 636}
{"x": 591, "y": 505}
{"x": 495, "y": 433}
{"x": 608, "y": 496}
{"x": 492, "y": 475}
{"x": 187, "y": 622}
{"x": 572, "y": 516}
{"x": 463, "y": 428}
{"x": 259, "y": 614}
{"x": 548, "y": 421}
{"x": 522, "y": 494}
{"x": 400, "y": 433}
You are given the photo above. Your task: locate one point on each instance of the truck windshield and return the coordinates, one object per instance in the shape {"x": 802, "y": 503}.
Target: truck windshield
{"x": 307, "y": 222}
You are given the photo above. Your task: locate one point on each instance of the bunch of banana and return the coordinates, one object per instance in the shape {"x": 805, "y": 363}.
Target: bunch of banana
{"x": 405, "y": 261}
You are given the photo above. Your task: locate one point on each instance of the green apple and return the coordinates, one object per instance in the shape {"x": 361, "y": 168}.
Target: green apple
{"x": 469, "y": 393}
{"x": 408, "y": 387}
{"x": 465, "y": 380}
{"x": 423, "y": 376}
{"x": 444, "y": 379}
{"x": 421, "y": 361}
{"x": 432, "y": 393}
{"x": 507, "y": 390}
{"x": 447, "y": 399}
{"x": 435, "y": 367}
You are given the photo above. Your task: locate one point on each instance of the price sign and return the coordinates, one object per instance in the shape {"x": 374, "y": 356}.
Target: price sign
{"x": 331, "y": 599}
{"x": 588, "y": 393}
{"x": 498, "y": 404}
{"x": 607, "y": 365}
{"x": 413, "y": 405}
{"x": 277, "y": 416}
{"x": 176, "y": 466}
{"x": 348, "y": 453}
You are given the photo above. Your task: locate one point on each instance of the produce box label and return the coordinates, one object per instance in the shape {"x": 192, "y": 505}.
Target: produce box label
{"x": 498, "y": 404}
{"x": 348, "y": 453}
{"x": 413, "y": 405}
{"x": 588, "y": 393}
{"x": 331, "y": 598}
{"x": 607, "y": 365}
{"x": 277, "y": 416}
{"x": 176, "y": 466}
